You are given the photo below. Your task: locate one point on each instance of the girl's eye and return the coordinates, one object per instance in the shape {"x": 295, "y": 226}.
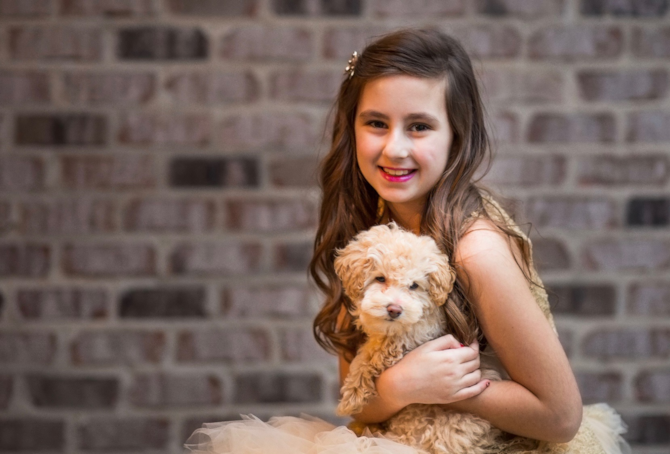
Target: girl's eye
{"x": 414, "y": 286}
{"x": 380, "y": 279}
{"x": 419, "y": 127}
{"x": 376, "y": 124}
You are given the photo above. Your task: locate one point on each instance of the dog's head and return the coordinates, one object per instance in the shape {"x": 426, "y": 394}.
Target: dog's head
{"x": 393, "y": 277}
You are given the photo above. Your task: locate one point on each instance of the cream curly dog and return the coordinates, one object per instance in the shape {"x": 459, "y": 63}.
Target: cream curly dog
{"x": 398, "y": 282}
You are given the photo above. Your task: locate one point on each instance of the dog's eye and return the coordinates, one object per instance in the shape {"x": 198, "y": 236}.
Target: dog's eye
{"x": 414, "y": 286}
{"x": 381, "y": 278}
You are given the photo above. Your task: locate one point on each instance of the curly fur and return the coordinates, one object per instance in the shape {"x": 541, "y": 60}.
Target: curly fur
{"x": 417, "y": 278}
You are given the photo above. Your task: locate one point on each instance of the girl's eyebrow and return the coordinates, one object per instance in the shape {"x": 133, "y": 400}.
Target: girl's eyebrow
{"x": 411, "y": 117}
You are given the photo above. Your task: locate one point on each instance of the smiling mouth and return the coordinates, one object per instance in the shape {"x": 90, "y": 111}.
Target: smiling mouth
{"x": 397, "y": 172}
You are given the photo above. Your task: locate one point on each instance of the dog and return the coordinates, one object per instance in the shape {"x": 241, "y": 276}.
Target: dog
{"x": 397, "y": 282}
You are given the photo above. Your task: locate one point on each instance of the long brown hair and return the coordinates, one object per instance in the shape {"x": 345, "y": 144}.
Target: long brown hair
{"x": 349, "y": 203}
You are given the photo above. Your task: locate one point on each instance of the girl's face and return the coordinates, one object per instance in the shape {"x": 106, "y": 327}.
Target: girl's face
{"x": 403, "y": 137}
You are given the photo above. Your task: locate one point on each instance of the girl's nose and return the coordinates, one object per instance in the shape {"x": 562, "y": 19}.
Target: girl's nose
{"x": 397, "y": 146}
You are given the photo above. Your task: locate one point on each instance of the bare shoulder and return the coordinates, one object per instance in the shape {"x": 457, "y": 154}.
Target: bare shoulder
{"x": 482, "y": 239}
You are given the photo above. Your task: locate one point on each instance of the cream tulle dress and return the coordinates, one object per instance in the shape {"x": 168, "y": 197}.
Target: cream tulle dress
{"x": 600, "y": 432}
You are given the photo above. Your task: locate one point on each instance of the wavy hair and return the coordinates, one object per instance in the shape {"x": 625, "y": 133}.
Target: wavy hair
{"x": 349, "y": 203}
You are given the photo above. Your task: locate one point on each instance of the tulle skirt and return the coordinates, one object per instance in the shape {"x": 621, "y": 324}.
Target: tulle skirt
{"x": 600, "y": 433}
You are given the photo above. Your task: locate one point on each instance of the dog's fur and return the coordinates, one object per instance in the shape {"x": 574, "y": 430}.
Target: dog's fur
{"x": 403, "y": 259}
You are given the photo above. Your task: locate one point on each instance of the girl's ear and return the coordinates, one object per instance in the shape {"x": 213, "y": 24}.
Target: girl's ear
{"x": 354, "y": 264}
{"x": 441, "y": 281}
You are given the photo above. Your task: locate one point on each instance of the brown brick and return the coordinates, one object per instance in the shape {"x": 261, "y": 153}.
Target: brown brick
{"x": 212, "y": 88}
{"x": 163, "y": 215}
{"x": 489, "y": 41}
{"x": 626, "y": 254}
{"x": 276, "y": 301}
{"x": 213, "y": 8}
{"x": 165, "y": 303}
{"x": 242, "y": 345}
{"x": 653, "y": 386}
{"x": 550, "y": 254}
{"x": 299, "y": 345}
{"x": 634, "y": 8}
{"x": 67, "y": 216}
{"x": 648, "y": 212}
{"x": 127, "y": 434}
{"x": 293, "y": 257}
{"x": 62, "y": 303}
{"x": 110, "y": 88}
{"x": 18, "y": 88}
{"x": 627, "y": 343}
{"x": 111, "y": 259}
{"x": 29, "y": 260}
{"x": 648, "y": 429}
{"x": 585, "y": 300}
{"x": 270, "y": 215}
{"x": 162, "y": 44}
{"x": 524, "y": 9}
{"x": 568, "y": 212}
{"x": 171, "y": 391}
{"x": 259, "y": 42}
{"x": 535, "y": 86}
{"x": 527, "y": 171}
{"x": 63, "y": 392}
{"x": 649, "y": 299}
{"x": 421, "y": 8}
{"x": 21, "y": 173}
{"x": 622, "y": 86}
{"x": 268, "y": 131}
{"x": 55, "y": 43}
{"x": 240, "y": 172}
{"x": 312, "y": 86}
{"x": 117, "y": 348}
{"x": 625, "y": 170}
{"x": 651, "y": 42}
{"x": 341, "y": 41}
{"x": 108, "y": 8}
{"x": 294, "y": 172}
{"x": 25, "y": 8}
{"x": 18, "y": 435}
{"x": 598, "y": 387}
{"x": 6, "y": 388}
{"x": 576, "y": 42}
{"x": 649, "y": 126}
{"x": 24, "y": 348}
{"x": 216, "y": 259}
{"x": 160, "y": 129}
{"x": 259, "y": 387}
{"x": 61, "y": 129}
{"x": 107, "y": 172}
{"x": 570, "y": 128}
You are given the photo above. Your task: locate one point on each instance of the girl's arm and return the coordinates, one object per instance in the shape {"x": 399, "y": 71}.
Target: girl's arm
{"x": 542, "y": 401}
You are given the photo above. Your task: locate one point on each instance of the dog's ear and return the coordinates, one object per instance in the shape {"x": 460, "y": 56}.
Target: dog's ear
{"x": 354, "y": 264}
{"x": 441, "y": 280}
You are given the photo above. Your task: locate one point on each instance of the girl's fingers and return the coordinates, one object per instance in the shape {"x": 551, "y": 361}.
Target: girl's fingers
{"x": 472, "y": 378}
{"x": 442, "y": 343}
{"x": 471, "y": 391}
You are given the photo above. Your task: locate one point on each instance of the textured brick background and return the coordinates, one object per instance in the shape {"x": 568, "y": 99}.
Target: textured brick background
{"x": 157, "y": 202}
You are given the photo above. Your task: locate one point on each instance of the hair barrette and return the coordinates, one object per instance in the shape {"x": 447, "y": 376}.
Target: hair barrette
{"x": 352, "y": 65}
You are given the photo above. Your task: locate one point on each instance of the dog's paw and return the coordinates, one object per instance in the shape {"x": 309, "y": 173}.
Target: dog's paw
{"x": 353, "y": 400}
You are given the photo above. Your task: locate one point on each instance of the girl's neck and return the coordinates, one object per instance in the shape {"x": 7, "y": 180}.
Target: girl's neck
{"x": 406, "y": 216}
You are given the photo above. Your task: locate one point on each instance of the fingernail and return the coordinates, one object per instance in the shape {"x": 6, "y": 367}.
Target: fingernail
{"x": 488, "y": 383}
{"x": 462, "y": 345}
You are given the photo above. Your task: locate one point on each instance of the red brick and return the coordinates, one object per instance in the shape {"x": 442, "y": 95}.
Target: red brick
{"x": 18, "y": 88}
{"x": 294, "y": 172}
{"x": 209, "y": 8}
{"x": 504, "y": 127}
{"x": 567, "y": 212}
{"x": 535, "y": 86}
{"x": 216, "y": 259}
{"x": 263, "y": 387}
{"x": 299, "y": 345}
{"x": 649, "y": 299}
{"x": 25, "y": 8}
{"x": 212, "y": 88}
{"x": 570, "y": 128}
{"x": 6, "y": 385}
{"x": 110, "y": 88}
{"x": 651, "y": 42}
{"x": 29, "y": 260}
{"x": 20, "y": 173}
{"x": 260, "y": 42}
{"x": 340, "y": 42}
{"x": 633, "y": 8}
{"x": 61, "y": 129}
{"x": 628, "y": 343}
{"x": 626, "y": 254}
{"x": 55, "y": 43}
{"x": 107, "y": 172}
{"x": 653, "y": 386}
{"x": 108, "y": 8}
{"x": 527, "y": 171}
{"x": 626, "y": 170}
{"x": 622, "y": 86}
{"x": 598, "y": 387}
{"x": 422, "y": 8}
{"x": 268, "y": 131}
{"x": 109, "y": 260}
{"x": 126, "y": 434}
{"x": 242, "y": 345}
{"x": 270, "y": 215}
{"x": 62, "y": 303}
{"x": 117, "y": 348}
{"x": 67, "y": 216}
{"x": 161, "y": 129}
{"x": 73, "y": 392}
{"x": 524, "y": 9}
{"x": 276, "y": 301}
{"x": 163, "y": 215}
{"x": 489, "y": 41}
{"x": 293, "y": 257}
{"x": 312, "y": 86}
{"x": 18, "y": 435}
{"x": 27, "y": 348}
{"x": 550, "y": 254}
{"x": 576, "y": 42}
{"x": 649, "y": 126}
{"x": 172, "y": 391}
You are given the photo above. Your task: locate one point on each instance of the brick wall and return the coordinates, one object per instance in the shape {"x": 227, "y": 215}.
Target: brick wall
{"x": 157, "y": 202}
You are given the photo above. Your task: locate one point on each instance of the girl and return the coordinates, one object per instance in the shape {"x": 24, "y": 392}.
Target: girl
{"x": 408, "y": 139}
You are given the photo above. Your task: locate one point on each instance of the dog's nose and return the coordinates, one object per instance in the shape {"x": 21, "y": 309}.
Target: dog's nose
{"x": 394, "y": 310}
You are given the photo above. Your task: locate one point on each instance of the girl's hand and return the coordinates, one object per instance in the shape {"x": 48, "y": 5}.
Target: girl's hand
{"x": 441, "y": 371}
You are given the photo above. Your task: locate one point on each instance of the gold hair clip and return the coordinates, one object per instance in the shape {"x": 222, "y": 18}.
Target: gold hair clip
{"x": 352, "y": 65}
